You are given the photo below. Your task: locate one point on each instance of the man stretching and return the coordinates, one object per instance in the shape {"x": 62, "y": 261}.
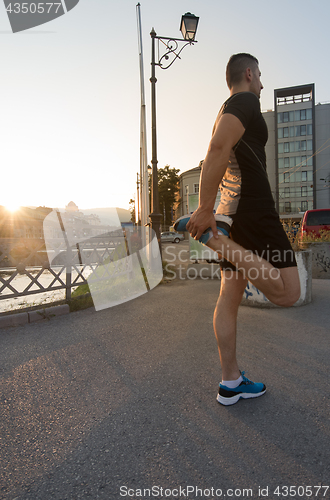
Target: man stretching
{"x": 258, "y": 249}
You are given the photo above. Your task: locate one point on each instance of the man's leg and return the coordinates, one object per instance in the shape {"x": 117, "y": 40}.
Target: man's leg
{"x": 281, "y": 286}
{"x": 225, "y": 321}
{"x": 234, "y": 385}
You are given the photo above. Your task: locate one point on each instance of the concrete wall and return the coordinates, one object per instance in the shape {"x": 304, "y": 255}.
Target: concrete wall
{"x": 322, "y": 133}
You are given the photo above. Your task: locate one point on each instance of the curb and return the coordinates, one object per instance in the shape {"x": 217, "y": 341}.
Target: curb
{"x": 33, "y": 316}
{"x": 14, "y": 320}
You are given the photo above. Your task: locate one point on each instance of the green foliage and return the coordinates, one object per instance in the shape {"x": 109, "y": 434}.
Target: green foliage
{"x": 81, "y": 298}
{"x": 168, "y": 186}
{"x": 323, "y": 237}
{"x": 132, "y": 209}
{"x": 298, "y": 242}
{"x": 292, "y": 233}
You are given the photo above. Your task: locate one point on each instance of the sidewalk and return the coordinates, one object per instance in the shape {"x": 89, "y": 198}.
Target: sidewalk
{"x": 96, "y": 403}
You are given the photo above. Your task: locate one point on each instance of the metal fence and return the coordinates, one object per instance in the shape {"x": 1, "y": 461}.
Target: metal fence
{"x": 25, "y": 269}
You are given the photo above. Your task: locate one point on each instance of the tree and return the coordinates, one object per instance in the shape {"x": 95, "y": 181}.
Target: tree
{"x": 168, "y": 186}
{"x": 132, "y": 209}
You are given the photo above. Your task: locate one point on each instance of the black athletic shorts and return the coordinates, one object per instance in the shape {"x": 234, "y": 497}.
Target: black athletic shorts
{"x": 263, "y": 234}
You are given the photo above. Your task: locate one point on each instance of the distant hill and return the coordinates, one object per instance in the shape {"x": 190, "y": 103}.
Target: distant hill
{"x": 109, "y": 216}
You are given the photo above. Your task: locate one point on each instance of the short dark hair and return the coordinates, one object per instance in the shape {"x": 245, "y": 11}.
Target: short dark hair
{"x": 236, "y": 66}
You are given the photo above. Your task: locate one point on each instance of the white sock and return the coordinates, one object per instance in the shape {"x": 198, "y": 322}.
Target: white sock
{"x": 210, "y": 235}
{"x": 232, "y": 383}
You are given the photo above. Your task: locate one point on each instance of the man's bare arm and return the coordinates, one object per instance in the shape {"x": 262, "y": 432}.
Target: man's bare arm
{"x": 228, "y": 132}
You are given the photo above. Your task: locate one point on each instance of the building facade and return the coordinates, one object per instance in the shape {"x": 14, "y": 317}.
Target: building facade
{"x": 189, "y": 189}
{"x": 297, "y": 151}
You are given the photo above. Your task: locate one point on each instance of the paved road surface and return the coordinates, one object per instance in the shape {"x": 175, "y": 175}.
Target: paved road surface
{"x": 125, "y": 398}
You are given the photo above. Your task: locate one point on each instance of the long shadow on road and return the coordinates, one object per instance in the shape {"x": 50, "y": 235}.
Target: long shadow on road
{"x": 96, "y": 403}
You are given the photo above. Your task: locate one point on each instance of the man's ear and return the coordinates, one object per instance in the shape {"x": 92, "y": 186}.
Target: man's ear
{"x": 248, "y": 74}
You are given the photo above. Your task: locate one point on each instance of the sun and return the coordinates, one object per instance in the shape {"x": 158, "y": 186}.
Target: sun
{"x": 12, "y": 207}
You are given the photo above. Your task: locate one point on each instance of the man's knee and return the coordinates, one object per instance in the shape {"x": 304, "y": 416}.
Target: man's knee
{"x": 289, "y": 297}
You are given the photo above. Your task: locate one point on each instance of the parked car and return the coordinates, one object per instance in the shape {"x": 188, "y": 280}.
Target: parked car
{"x": 315, "y": 220}
{"x": 171, "y": 237}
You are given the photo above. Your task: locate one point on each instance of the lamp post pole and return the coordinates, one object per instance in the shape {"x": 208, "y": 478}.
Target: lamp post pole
{"x": 188, "y": 29}
{"x": 155, "y": 215}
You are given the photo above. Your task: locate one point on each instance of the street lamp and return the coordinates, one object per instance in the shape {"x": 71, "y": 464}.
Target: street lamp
{"x": 172, "y": 51}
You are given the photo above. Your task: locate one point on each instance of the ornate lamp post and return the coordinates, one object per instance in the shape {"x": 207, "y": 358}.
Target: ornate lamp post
{"x": 172, "y": 51}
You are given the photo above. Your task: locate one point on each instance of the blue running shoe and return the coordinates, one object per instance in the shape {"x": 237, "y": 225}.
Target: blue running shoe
{"x": 223, "y": 224}
{"x": 246, "y": 389}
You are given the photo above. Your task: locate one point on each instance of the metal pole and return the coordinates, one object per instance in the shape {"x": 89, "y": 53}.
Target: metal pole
{"x": 144, "y": 187}
{"x": 137, "y": 216}
{"x": 155, "y": 215}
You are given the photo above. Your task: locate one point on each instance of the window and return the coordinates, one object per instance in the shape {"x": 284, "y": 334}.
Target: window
{"x": 297, "y": 146}
{"x": 302, "y": 129}
{"x": 291, "y": 131}
{"x": 281, "y": 163}
{"x": 287, "y": 192}
{"x": 304, "y": 176}
{"x": 304, "y": 191}
{"x": 286, "y": 177}
{"x": 297, "y": 176}
{"x": 291, "y": 147}
{"x": 309, "y": 145}
{"x": 196, "y": 188}
{"x": 280, "y": 147}
{"x": 280, "y": 118}
{"x": 310, "y": 176}
{"x": 286, "y": 132}
{"x": 286, "y": 147}
{"x": 291, "y": 116}
{"x": 304, "y": 206}
{"x": 309, "y": 129}
{"x": 280, "y": 133}
{"x": 303, "y": 114}
{"x": 287, "y": 206}
{"x": 297, "y": 116}
{"x": 292, "y": 161}
{"x": 303, "y": 161}
{"x": 303, "y": 145}
{"x": 309, "y": 114}
{"x": 310, "y": 161}
{"x": 186, "y": 188}
{"x": 285, "y": 116}
{"x": 297, "y": 130}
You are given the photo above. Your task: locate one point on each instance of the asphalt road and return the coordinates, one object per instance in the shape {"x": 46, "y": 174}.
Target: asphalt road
{"x": 95, "y": 403}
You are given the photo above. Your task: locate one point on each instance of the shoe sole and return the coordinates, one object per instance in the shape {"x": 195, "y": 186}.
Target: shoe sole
{"x": 234, "y": 399}
{"x": 205, "y": 236}
{"x": 179, "y": 221}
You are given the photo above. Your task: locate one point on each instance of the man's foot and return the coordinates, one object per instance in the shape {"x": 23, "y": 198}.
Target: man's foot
{"x": 246, "y": 389}
{"x": 223, "y": 225}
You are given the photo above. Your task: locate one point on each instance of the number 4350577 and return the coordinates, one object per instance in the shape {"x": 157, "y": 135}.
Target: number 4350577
{"x": 33, "y": 8}
{"x": 301, "y": 491}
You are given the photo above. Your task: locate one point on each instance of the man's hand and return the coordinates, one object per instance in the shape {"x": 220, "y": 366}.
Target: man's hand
{"x": 201, "y": 220}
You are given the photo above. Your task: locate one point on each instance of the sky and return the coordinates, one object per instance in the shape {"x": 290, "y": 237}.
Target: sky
{"x": 70, "y": 90}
